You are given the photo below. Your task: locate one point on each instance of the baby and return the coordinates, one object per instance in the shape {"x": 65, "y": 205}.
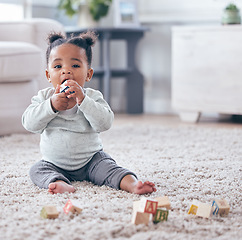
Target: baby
{"x": 69, "y": 118}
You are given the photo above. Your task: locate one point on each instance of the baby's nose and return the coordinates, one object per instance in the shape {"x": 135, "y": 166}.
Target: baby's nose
{"x": 66, "y": 72}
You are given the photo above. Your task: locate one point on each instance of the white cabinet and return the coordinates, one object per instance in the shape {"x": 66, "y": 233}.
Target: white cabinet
{"x": 206, "y": 70}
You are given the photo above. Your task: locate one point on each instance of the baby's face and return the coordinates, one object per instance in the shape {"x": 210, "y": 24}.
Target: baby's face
{"x": 68, "y": 62}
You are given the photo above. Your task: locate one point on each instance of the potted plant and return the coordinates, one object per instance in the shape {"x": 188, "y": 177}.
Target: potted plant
{"x": 231, "y": 15}
{"x": 89, "y": 11}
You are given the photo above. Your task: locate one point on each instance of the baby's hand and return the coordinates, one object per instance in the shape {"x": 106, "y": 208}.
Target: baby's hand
{"x": 59, "y": 101}
{"x": 75, "y": 91}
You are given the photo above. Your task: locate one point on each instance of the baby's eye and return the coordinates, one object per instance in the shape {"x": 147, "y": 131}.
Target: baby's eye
{"x": 57, "y": 66}
{"x": 76, "y": 66}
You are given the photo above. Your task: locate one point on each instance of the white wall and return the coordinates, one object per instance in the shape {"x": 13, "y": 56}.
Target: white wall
{"x": 154, "y": 11}
{"x": 154, "y": 50}
{"x": 154, "y": 55}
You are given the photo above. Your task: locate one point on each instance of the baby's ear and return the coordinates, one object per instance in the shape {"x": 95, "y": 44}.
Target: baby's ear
{"x": 89, "y": 74}
{"x": 47, "y": 75}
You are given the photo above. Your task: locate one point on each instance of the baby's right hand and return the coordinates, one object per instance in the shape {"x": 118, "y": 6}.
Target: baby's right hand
{"x": 59, "y": 101}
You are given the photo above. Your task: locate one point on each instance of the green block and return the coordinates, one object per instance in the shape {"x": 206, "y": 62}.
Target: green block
{"x": 161, "y": 215}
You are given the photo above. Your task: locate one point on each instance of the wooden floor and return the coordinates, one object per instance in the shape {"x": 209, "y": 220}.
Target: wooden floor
{"x": 209, "y": 121}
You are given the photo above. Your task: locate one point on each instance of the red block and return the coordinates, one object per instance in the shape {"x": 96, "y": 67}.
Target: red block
{"x": 148, "y": 205}
{"x": 72, "y": 206}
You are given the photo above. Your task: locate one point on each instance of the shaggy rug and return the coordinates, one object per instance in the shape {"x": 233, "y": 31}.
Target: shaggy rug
{"x": 185, "y": 162}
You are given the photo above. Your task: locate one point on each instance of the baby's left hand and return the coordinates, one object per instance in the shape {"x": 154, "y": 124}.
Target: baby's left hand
{"x": 75, "y": 91}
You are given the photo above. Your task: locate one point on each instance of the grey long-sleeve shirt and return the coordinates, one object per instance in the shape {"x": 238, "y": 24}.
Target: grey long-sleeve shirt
{"x": 68, "y": 140}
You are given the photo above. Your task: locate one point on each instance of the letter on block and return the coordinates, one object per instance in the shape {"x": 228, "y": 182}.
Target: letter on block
{"x": 163, "y": 202}
{"x": 193, "y": 208}
{"x": 148, "y": 206}
{"x": 161, "y": 215}
{"x": 204, "y": 210}
{"x": 72, "y": 206}
{"x": 220, "y": 207}
{"x": 49, "y": 212}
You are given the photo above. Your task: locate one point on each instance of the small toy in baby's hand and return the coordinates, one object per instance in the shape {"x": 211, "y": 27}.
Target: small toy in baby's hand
{"x": 64, "y": 88}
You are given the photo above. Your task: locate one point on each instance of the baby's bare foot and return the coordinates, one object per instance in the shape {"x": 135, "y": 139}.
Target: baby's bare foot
{"x": 60, "y": 187}
{"x": 143, "y": 188}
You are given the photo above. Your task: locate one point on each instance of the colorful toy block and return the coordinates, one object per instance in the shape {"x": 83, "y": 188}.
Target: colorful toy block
{"x": 139, "y": 217}
{"x": 204, "y": 210}
{"x": 72, "y": 206}
{"x": 161, "y": 215}
{"x": 220, "y": 207}
{"x": 163, "y": 202}
{"x": 148, "y": 205}
{"x": 49, "y": 212}
{"x": 194, "y": 207}
{"x": 146, "y": 210}
{"x": 64, "y": 88}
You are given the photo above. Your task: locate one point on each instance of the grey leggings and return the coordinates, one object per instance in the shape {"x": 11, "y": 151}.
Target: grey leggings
{"x": 100, "y": 170}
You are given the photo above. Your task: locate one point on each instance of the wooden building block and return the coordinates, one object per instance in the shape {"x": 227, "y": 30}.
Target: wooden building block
{"x": 161, "y": 215}
{"x": 204, "y": 210}
{"x": 72, "y": 206}
{"x": 148, "y": 205}
{"x": 136, "y": 205}
{"x": 220, "y": 207}
{"x": 163, "y": 202}
{"x": 49, "y": 212}
{"x": 140, "y": 218}
{"x": 194, "y": 207}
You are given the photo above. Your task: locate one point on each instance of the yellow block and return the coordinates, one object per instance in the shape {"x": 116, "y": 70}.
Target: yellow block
{"x": 193, "y": 209}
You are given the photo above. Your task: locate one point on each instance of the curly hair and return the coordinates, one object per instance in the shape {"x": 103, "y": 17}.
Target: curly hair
{"x": 85, "y": 40}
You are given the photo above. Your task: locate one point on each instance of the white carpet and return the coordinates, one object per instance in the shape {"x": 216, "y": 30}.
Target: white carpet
{"x": 185, "y": 162}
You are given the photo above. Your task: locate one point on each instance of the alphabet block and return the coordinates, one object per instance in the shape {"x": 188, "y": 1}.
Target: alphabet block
{"x": 72, "y": 206}
{"x": 161, "y": 215}
{"x": 220, "y": 207}
{"x": 49, "y": 212}
{"x": 204, "y": 210}
{"x": 140, "y": 218}
{"x": 146, "y": 210}
{"x": 148, "y": 205}
{"x": 163, "y": 202}
{"x": 194, "y": 207}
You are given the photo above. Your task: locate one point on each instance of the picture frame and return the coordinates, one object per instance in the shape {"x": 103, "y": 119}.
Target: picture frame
{"x": 126, "y": 13}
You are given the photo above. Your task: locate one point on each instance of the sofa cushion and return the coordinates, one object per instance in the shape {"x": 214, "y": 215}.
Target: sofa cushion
{"x": 19, "y": 61}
